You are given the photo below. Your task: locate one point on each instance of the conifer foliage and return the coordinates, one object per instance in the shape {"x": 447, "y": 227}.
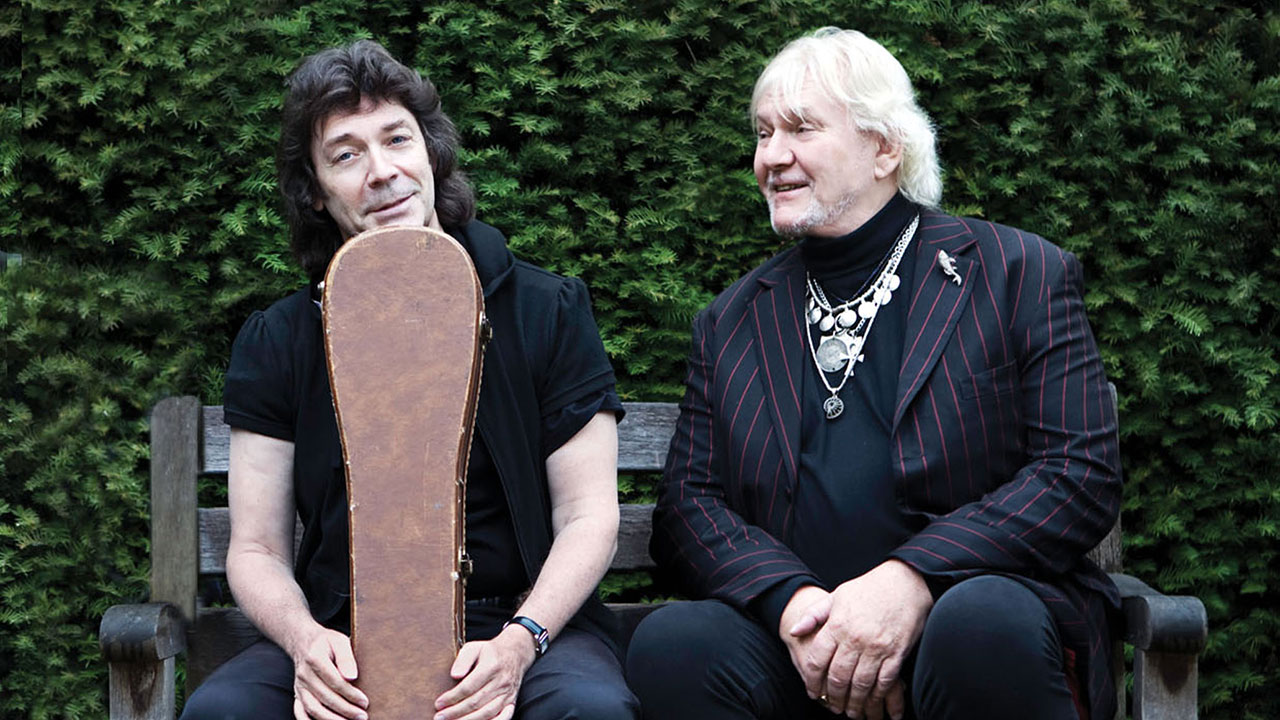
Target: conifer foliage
{"x": 609, "y": 140}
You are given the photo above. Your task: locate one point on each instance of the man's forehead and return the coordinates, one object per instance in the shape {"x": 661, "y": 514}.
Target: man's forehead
{"x": 805, "y": 105}
{"x": 331, "y": 124}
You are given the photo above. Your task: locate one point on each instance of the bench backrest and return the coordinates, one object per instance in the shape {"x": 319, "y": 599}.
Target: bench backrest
{"x": 189, "y": 441}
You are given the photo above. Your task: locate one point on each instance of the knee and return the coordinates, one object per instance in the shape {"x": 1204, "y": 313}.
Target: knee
{"x": 987, "y": 613}
{"x": 213, "y": 703}
{"x": 677, "y": 639}
{"x": 587, "y": 701}
{"x": 255, "y": 684}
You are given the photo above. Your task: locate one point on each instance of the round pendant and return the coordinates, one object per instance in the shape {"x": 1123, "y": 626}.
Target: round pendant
{"x": 882, "y": 296}
{"x": 894, "y": 282}
{"x": 847, "y": 318}
{"x": 866, "y": 309}
{"x": 814, "y": 315}
{"x": 833, "y": 406}
{"x": 826, "y": 323}
{"x": 832, "y": 354}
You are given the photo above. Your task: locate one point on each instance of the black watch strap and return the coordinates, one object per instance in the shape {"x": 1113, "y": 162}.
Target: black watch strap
{"x": 541, "y": 638}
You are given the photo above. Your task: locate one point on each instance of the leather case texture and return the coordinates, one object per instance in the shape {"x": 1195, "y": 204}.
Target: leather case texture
{"x": 404, "y": 333}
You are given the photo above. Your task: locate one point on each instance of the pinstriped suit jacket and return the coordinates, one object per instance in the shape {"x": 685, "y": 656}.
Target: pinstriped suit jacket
{"x": 1004, "y": 440}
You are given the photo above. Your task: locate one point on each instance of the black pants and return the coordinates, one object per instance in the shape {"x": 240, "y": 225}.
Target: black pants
{"x": 579, "y": 677}
{"x": 989, "y": 650}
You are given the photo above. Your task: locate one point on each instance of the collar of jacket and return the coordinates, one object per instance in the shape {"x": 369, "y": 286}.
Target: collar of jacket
{"x": 489, "y": 252}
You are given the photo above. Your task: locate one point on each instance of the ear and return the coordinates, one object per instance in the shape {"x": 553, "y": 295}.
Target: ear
{"x": 888, "y": 158}
{"x": 318, "y": 204}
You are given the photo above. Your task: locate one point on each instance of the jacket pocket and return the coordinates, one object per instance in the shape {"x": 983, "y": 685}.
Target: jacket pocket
{"x": 1002, "y": 380}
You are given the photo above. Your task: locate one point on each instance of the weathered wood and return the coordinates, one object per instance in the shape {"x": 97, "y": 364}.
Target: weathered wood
{"x": 643, "y": 437}
{"x": 645, "y": 434}
{"x": 175, "y": 442}
{"x": 634, "y": 528}
{"x": 142, "y": 690}
{"x": 217, "y": 635}
{"x": 1157, "y": 622}
{"x": 1167, "y": 631}
{"x": 1164, "y": 686}
{"x": 1107, "y": 554}
{"x": 215, "y": 450}
{"x": 141, "y": 633}
{"x": 215, "y": 538}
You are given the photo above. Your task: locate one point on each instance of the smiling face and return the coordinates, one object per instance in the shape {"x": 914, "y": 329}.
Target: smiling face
{"x": 820, "y": 174}
{"x": 373, "y": 169}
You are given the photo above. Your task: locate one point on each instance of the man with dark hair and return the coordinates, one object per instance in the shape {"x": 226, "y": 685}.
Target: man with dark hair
{"x": 896, "y": 443}
{"x": 364, "y": 145}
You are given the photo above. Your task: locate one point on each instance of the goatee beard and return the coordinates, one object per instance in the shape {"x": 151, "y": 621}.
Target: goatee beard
{"x": 817, "y": 213}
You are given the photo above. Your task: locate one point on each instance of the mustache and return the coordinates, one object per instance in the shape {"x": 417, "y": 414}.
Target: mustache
{"x": 391, "y": 193}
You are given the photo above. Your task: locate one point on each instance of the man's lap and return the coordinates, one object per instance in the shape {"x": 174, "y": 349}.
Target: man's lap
{"x": 705, "y": 659}
{"x": 579, "y": 677}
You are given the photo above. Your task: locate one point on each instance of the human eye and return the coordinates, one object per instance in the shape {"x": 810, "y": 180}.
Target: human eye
{"x": 341, "y": 156}
{"x": 399, "y": 139}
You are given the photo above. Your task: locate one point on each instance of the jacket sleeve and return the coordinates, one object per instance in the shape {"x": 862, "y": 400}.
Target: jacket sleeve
{"x": 700, "y": 533}
{"x": 1065, "y": 496}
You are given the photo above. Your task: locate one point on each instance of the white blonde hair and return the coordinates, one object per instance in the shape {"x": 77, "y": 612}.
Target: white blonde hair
{"x": 855, "y": 71}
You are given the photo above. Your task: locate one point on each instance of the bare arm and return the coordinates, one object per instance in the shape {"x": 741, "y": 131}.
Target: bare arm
{"x": 582, "y": 479}
{"x": 260, "y": 571}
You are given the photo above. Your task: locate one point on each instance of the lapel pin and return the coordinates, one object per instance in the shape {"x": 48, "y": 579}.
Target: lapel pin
{"x": 948, "y": 265}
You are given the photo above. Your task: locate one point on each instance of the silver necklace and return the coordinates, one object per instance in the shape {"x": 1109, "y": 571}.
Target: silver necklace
{"x": 844, "y": 328}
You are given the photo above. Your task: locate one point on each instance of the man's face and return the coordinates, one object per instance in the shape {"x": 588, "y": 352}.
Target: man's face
{"x": 373, "y": 170}
{"x": 820, "y": 175}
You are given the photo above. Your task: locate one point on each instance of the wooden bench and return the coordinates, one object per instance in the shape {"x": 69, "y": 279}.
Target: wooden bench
{"x": 189, "y": 543}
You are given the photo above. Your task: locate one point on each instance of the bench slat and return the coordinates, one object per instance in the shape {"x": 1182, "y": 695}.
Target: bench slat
{"x": 633, "y": 539}
{"x": 643, "y": 437}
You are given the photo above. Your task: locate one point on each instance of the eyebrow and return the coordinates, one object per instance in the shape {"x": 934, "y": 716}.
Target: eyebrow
{"x": 344, "y": 137}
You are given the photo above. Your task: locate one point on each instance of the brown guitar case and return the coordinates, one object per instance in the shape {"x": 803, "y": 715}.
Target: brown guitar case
{"x": 404, "y": 330}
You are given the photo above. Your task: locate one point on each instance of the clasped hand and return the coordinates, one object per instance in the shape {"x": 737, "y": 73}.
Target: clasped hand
{"x": 849, "y": 645}
{"x": 489, "y": 672}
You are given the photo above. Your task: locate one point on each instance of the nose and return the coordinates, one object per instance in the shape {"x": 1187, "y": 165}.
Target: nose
{"x": 775, "y": 151}
{"x": 381, "y": 168}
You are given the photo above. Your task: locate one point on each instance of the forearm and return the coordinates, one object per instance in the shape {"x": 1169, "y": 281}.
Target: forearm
{"x": 267, "y": 593}
{"x": 579, "y": 558}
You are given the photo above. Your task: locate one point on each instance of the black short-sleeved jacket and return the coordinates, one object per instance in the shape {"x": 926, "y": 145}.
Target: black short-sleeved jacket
{"x": 545, "y": 354}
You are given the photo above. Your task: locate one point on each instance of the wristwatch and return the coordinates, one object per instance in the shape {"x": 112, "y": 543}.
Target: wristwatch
{"x": 541, "y": 638}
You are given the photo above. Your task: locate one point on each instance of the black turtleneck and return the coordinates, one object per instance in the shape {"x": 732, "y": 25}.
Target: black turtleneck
{"x": 846, "y": 506}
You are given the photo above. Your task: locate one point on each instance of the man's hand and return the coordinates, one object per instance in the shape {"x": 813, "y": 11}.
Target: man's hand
{"x": 797, "y": 628}
{"x": 860, "y": 639}
{"x": 490, "y": 672}
{"x": 323, "y": 669}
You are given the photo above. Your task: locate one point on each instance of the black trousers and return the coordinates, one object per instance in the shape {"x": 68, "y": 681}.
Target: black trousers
{"x": 579, "y": 677}
{"x": 989, "y": 650}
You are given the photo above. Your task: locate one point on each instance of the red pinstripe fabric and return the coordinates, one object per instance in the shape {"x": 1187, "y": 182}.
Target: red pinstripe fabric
{"x": 1004, "y": 438}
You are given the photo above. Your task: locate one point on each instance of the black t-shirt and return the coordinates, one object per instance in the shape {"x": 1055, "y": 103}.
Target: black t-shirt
{"x": 277, "y": 385}
{"x": 850, "y": 515}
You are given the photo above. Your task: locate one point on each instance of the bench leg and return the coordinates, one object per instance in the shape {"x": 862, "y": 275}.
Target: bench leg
{"x": 1164, "y": 686}
{"x": 142, "y": 690}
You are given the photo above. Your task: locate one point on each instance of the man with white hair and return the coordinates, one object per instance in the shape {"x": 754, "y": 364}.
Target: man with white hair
{"x": 895, "y": 447}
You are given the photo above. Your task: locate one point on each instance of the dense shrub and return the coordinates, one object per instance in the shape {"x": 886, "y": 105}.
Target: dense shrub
{"x": 609, "y": 140}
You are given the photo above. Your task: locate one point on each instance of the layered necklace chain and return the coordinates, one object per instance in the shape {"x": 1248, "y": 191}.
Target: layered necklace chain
{"x": 843, "y": 329}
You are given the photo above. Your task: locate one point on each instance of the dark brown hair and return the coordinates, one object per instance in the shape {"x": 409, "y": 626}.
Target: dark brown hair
{"x": 338, "y": 80}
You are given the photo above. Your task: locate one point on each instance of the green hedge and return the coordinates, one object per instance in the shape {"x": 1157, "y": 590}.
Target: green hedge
{"x": 609, "y": 140}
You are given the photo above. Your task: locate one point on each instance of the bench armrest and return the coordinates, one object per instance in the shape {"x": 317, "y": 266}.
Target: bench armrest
{"x": 1161, "y": 623}
{"x": 143, "y": 632}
